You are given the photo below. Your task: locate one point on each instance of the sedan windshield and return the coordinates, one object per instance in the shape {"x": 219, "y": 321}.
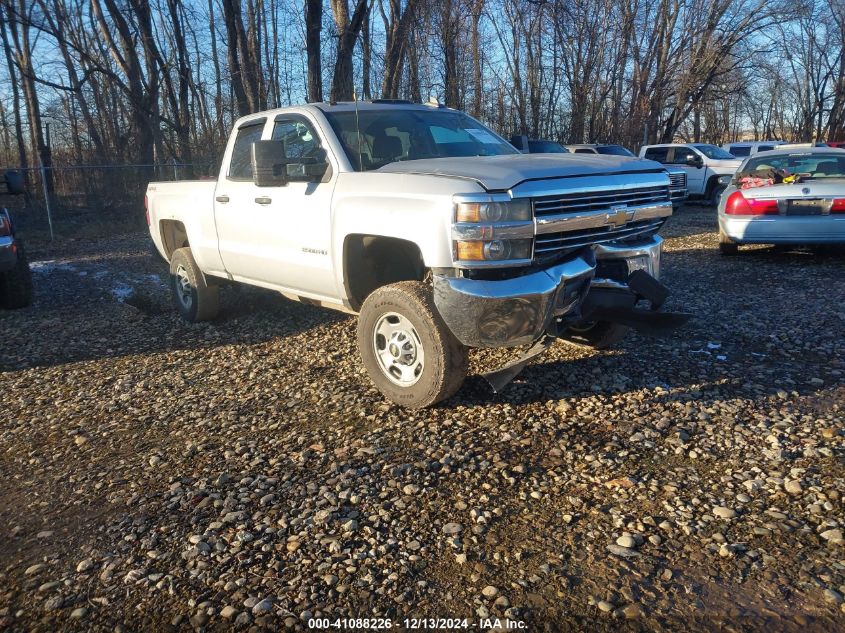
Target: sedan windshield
{"x": 807, "y": 164}
{"x": 614, "y": 150}
{"x": 711, "y": 151}
{"x": 394, "y": 134}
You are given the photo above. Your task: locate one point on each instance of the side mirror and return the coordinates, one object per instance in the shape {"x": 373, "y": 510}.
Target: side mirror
{"x": 269, "y": 164}
{"x": 694, "y": 161}
{"x": 309, "y": 169}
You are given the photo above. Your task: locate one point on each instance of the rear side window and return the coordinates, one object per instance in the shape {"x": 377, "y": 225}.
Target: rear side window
{"x": 659, "y": 154}
{"x": 240, "y": 166}
{"x": 581, "y": 150}
{"x": 740, "y": 150}
{"x": 762, "y": 148}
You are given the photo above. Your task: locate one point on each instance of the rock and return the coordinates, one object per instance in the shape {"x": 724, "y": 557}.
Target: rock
{"x": 605, "y": 606}
{"x": 263, "y": 606}
{"x": 78, "y": 613}
{"x": 228, "y": 612}
{"x": 624, "y": 552}
{"x": 833, "y": 596}
{"x": 626, "y": 541}
{"x": 632, "y": 611}
{"x": 452, "y": 529}
{"x": 34, "y": 569}
{"x": 54, "y": 602}
{"x": 793, "y": 487}
{"x": 489, "y": 591}
{"x": 724, "y": 513}
{"x": 85, "y": 565}
{"x": 411, "y": 489}
{"x": 833, "y": 535}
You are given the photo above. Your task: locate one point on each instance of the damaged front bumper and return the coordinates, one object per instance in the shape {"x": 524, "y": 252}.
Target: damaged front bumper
{"x": 603, "y": 282}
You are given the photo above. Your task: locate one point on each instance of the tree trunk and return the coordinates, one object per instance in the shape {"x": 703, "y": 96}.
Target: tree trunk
{"x": 348, "y": 31}
{"x": 313, "y": 28}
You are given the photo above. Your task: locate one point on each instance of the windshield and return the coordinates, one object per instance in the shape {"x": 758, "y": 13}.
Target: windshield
{"x": 614, "y": 150}
{"x": 809, "y": 164}
{"x": 711, "y": 151}
{"x": 394, "y": 134}
{"x": 546, "y": 147}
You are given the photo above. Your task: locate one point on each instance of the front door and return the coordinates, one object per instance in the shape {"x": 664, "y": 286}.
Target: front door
{"x": 679, "y": 157}
{"x": 279, "y": 237}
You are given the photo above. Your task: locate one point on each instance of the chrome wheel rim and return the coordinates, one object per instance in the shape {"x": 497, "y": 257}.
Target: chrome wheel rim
{"x": 184, "y": 291}
{"x": 398, "y": 349}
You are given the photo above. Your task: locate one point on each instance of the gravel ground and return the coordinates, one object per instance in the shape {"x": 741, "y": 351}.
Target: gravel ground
{"x": 245, "y": 473}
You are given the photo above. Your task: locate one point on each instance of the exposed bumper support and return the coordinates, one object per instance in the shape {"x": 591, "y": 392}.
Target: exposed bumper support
{"x": 513, "y": 311}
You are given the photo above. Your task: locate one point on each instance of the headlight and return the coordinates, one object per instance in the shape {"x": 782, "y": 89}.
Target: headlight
{"x": 493, "y": 211}
{"x": 492, "y": 251}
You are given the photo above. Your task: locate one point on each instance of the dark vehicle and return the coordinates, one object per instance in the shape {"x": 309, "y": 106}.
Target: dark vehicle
{"x": 15, "y": 276}
{"x": 537, "y": 145}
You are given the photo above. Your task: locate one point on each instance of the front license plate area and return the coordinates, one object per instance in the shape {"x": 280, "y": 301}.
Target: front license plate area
{"x": 805, "y": 207}
{"x": 639, "y": 263}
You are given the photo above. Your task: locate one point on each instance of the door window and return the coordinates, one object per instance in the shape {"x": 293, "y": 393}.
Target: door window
{"x": 660, "y": 154}
{"x": 299, "y": 137}
{"x": 680, "y": 156}
{"x": 240, "y": 165}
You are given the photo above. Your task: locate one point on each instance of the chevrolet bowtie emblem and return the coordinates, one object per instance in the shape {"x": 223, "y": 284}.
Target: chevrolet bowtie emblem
{"x": 618, "y": 216}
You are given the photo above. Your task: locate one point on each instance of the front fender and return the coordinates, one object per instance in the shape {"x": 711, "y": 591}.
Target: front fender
{"x": 410, "y": 207}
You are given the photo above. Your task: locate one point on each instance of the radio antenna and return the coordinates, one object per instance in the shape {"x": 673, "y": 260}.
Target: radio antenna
{"x": 358, "y": 130}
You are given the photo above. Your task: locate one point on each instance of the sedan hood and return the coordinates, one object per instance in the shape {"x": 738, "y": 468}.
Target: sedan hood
{"x": 500, "y": 173}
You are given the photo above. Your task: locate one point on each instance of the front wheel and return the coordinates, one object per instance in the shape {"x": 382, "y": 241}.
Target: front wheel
{"x": 193, "y": 298}
{"x": 597, "y": 335}
{"x": 408, "y": 351}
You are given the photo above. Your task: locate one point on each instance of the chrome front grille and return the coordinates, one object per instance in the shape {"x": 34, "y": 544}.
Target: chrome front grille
{"x": 678, "y": 181}
{"x": 598, "y": 201}
{"x": 550, "y": 244}
{"x": 569, "y": 221}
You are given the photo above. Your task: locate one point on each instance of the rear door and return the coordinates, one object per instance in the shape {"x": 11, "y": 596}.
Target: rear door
{"x": 234, "y": 201}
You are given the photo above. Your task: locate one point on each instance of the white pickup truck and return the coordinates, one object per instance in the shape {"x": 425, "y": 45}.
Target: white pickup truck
{"x": 437, "y": 232}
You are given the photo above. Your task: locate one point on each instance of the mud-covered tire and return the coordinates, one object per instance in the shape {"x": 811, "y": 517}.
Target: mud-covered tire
{"x": 601, "y": 335}
{"x": 403, "y": 316}
{"x": 726, "y": 246}
{"x": 193, "y": 297}
{"x": 16, "y": 284}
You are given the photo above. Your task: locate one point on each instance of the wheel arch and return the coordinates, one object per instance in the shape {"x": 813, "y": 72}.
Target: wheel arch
{"x": 173, "y": 235}
{"x": 373, "y": 261}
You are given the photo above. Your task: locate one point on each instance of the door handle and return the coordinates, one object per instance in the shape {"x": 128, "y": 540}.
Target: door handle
{"x": 264, "y": 200}
{"x": 222, "y": 199}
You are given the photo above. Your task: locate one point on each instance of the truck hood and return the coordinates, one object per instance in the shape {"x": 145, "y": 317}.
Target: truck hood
{"x": 500, "y": 173}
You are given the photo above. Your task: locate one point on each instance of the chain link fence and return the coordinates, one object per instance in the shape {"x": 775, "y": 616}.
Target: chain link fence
{"x": 90, "y": 200}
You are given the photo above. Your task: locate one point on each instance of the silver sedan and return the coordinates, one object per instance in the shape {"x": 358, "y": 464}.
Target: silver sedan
{"x": 806, "y": 208}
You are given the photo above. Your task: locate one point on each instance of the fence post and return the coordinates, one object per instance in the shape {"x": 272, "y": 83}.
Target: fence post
{"x": 47, "y": 199}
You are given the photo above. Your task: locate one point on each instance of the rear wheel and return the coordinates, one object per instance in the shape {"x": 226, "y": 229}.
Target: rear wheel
{"x": 193, "y": 298}
{"x": 726, "y": 246}
{"x": 715, "y": 194}
{"x": 16, "y": 284}
{"x": 408, "y": 351}
{"x": 597, "y": 335}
